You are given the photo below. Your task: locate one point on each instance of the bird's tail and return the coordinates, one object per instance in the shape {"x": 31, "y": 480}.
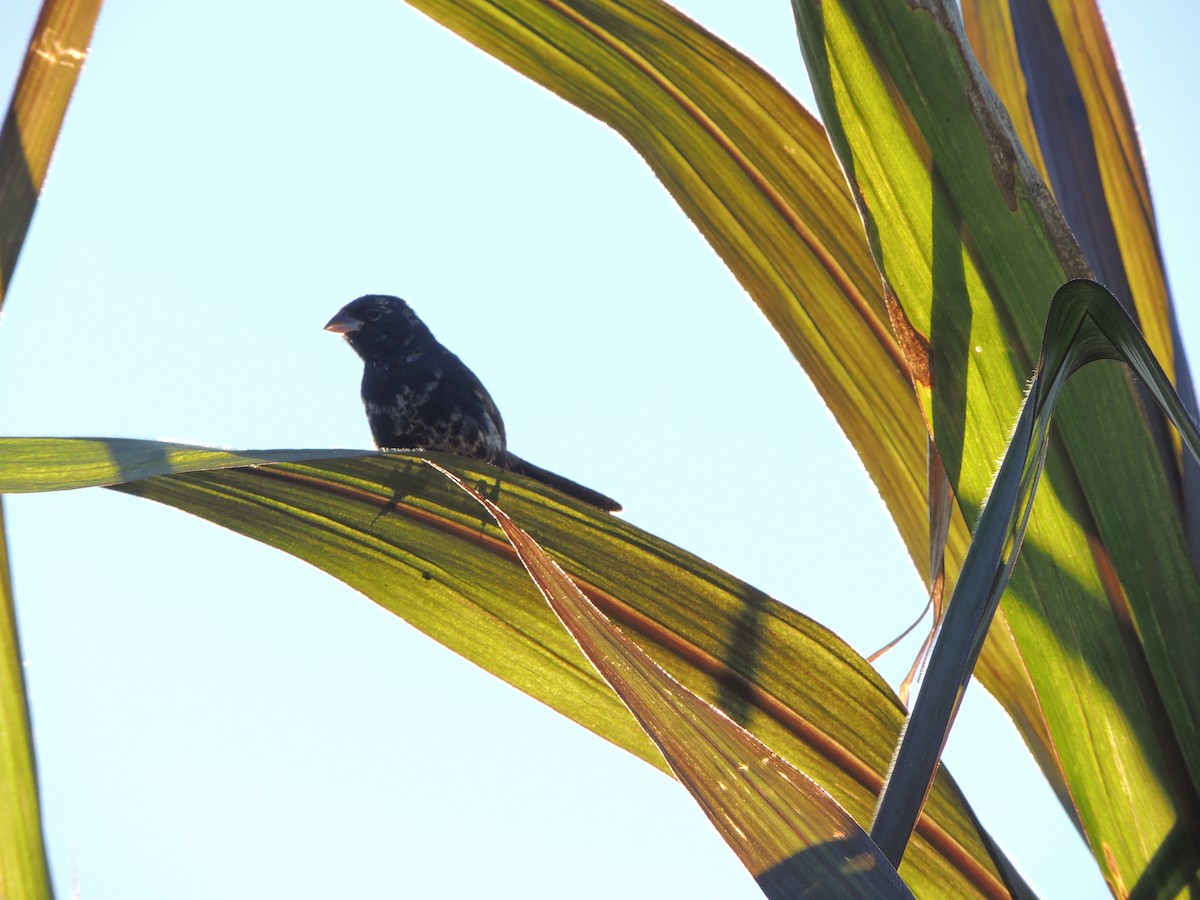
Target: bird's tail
{"x": 566, "y": 485}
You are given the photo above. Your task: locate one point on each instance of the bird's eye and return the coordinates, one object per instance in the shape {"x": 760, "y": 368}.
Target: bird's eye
{"x": 374, "y": 314}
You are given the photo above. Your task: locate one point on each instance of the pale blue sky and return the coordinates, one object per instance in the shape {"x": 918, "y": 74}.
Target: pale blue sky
{"x": 214, "y": 718}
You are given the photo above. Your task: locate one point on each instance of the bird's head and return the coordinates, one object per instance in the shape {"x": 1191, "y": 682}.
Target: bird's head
{"x": 376, "y": 325}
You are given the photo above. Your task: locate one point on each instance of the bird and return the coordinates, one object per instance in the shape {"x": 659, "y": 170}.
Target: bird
{"x": 420, "y": 396}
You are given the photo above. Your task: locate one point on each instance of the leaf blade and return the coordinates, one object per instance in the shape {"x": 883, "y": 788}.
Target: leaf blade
{"x": 35, "y": 115}
{"x": 754, "y": 171}
{"x": 774, "y": 818}
{"x": 24, "y": 872}
{"x": 1076, "y": 120}
{"x": 973, "y": 246}
{"x": 395, "y": 530}
{"x": 30, "y": 130}
{"x": 1086, "y": 324}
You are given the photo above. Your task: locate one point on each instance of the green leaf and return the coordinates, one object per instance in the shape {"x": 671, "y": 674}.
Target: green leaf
{"x": 391, "y": 527}
{"x": 790, "y": 834}
{"x": 754, "y": 171}
{"x": 47, "y": 79}
{"x": 56, "y": 55}
{"x": 35, "y": 465}
{"x": 23, "y": 868}
{"x": 1067, "y": 49}
{"x": 1086, "y": 324}
{"x": 1074, "y": 114}
{"x": 973, "y": 246}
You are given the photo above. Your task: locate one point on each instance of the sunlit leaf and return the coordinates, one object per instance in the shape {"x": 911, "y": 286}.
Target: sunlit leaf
{"x": 57, "y": 51}
{"x": 52, "y": 65}
{"x": 394, "y": 529}
{"x": 754, "y": 171}
{"x": 23, "y": 869}
{"x": 973, "y": 246}
{"x": 1086, "y": 324}
{"x": 790, "y": 834}
{"x": 1054, "y": 68}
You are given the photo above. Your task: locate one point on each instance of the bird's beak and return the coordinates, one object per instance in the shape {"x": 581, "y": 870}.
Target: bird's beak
{"x": 343, "y": 324}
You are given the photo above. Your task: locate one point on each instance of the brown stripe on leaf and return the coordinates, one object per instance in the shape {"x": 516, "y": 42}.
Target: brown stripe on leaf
{"x": 914, "y": 344}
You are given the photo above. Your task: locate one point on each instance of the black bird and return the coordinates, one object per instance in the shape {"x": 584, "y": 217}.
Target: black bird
{"x": 419, "y": 395}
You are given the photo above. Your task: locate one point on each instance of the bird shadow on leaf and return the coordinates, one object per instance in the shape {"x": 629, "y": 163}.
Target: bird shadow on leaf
{"x": 410, "y": 476}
